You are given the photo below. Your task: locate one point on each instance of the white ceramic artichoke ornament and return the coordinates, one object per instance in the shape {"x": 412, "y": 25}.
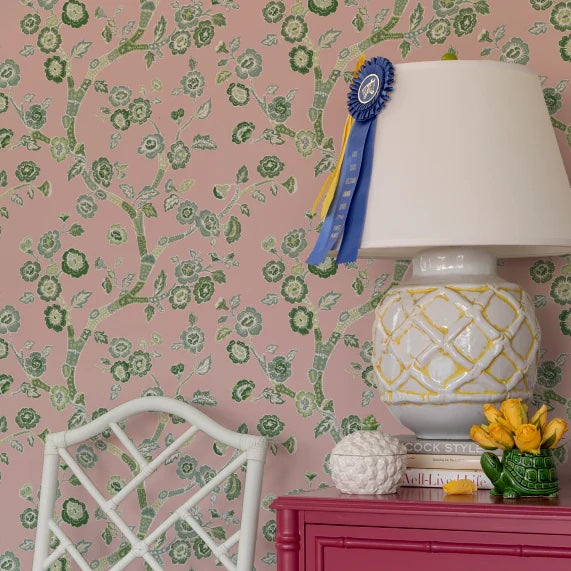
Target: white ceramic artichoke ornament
{"x": 368, "y": 462}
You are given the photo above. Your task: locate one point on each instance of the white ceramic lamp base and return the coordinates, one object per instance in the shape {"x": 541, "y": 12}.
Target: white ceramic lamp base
{"x": 453, "y": 338}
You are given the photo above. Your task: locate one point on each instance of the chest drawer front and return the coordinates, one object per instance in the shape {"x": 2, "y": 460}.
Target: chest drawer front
{"x": 337, "y": 548}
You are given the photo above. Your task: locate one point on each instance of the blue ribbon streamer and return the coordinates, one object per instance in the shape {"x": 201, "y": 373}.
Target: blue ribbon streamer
{"x": 345, "y": 219}
{"x": 355, "y": 223}
{"x": 352, "y": 178}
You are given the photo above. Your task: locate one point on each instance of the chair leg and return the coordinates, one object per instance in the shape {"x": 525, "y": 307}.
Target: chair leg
{"x": 47, "y": 500}
{"x": 250, "y": 505}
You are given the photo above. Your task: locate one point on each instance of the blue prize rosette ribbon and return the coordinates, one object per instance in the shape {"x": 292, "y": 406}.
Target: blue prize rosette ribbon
{"x": 345, "y": 218}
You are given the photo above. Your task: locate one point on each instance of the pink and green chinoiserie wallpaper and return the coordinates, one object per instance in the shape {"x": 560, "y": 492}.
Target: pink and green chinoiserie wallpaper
{"x": 158, "y": 164}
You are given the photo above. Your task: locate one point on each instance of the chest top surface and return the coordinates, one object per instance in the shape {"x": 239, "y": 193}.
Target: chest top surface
{"x": 427, "y": 500}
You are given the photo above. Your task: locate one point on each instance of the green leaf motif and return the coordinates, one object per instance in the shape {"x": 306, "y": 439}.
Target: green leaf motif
{"x": 222, "y": 76}
{"x": 484, "y": 36}
{"x": 259, "y": 196}
{"x": 539, "y": 300}
{"x": 242, "y": 174}
{"x": 270, "y": 40}
{"x": 218, "y": 532}
{"x": 270, "y": 299}
{"x": 171, "y": 201}
{"x": 324, "y": 165}
{"x": 127, "y": 190}
{"x": 107, "y": 33}
{"x": 223, "y": 332}
{"x": 149, "y": 59}
{"x": 204, "y": 143}
{"x": 358, "y": 22}
{"x": 80, "y": 299}
{"x": 204, "y": 110}
{"x": 416, "y": 17}
{"x": 219, "y": 276}
{"x": 107, "y": 536}
{"x": 76, "y": 168}
{"x": 27, "y": 297}
{"x": 82, "y": 546}
{"x": 367, "y": 397}
{"x": 203, "y": 398}
{"x": 17, "y": 199}
{"x": 204, "y": 366}
{"x": 149, "y": 312}
{"x": 16, "y": 445}
{"x": 499, "y": 33}
{"x": 538, "y": 28}
{"x": 160, "y": 282}
{"x": 272, "y": 396}
{"x": 328, "y": 300}
{"x": 350, "y": 340}
{"x": 160, "y": 29}
{"x": 233, "y": 487}
{"x": 380, "y": 17}
{"x": 149, "y": 210}
{"x": 482, "y": 7}
{"x": 290, "y": 184}
{"x": 404, "y": 48}
{"x": 27, "y": 51}
{"x": 290, "y": 445}
{"x": 322, "y": 427}
{"x": 101, "y": 86}
{"x": 327, "y": 39}
{"x": 45, "y": 188}
{"x": 101, "y": 337}
{"x": 80, "y": 49}
{"x": 74, "y": 480}
{"x": 219, "y": 20}
{"x": 76, "y": 230}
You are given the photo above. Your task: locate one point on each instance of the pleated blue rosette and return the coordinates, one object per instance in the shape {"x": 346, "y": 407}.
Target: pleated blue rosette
{"x": 343, "y": 224}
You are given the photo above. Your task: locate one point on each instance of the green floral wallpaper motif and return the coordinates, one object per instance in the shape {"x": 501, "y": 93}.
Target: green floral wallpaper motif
{"x": 158, "y": 163}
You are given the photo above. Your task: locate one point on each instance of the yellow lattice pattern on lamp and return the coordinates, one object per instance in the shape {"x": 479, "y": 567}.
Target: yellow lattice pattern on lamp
{"x": 455, "y": 343}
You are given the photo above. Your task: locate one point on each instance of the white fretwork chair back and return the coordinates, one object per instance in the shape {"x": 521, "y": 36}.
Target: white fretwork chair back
{"x": 253, "y": 455}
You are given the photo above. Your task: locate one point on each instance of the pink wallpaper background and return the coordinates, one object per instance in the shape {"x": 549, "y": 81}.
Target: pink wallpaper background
{"x": 157, "y": 164}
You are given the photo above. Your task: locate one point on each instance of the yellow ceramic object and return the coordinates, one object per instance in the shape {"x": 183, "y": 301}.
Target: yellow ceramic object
{"x": 459, "y": 487}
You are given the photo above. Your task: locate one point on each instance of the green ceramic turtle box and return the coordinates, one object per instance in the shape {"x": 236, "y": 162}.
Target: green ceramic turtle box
{"x": 521, "y": 474}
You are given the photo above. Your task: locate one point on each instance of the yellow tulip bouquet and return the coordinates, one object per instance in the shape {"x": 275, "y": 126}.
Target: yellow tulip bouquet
{"x": 510, "y": 427}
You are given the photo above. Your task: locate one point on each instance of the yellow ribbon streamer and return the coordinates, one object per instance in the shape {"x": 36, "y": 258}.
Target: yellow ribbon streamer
{"x": 330, "y": 184}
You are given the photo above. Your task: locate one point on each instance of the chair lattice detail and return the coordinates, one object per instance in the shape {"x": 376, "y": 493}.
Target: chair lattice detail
{"x": 253, "y": 449}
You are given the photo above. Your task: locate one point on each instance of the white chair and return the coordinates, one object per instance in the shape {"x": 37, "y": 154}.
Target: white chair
{"x": 253, "y": 455}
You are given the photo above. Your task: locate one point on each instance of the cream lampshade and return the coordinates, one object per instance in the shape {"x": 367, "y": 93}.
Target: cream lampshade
{"x": 466, "y": 170}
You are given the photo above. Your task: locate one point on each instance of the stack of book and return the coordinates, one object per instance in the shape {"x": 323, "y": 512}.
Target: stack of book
{"x": 433, "y": 463}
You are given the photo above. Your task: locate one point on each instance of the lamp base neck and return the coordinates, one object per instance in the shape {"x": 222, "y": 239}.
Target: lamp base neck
{"x": 443, "y": 263}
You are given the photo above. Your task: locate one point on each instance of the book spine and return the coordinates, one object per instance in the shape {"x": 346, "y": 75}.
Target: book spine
{"x": 432, "y": 478}
{"x": 444, "y": 461}
{"x": 464, "y": 447}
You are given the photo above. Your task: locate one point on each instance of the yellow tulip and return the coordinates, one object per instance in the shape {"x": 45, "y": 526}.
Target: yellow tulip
{"x": 491, "y": 412}
{"x": 501, "y": 435}
{"x": 514, "y": 412}
{"x": 553, "y": 432}
{"x": 501, "y": 420}
{"x": 464, "y": 486}
{"x": 481, "y": 437}
{"x": 539, "y": 418}
{"x": 528, "y": 438}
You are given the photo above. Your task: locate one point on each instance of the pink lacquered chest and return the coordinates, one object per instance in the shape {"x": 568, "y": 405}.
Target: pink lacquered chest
{"x": 421, "y": 528}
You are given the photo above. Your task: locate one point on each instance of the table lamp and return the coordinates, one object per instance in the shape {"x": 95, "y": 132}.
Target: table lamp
{"x": 466, "y": 169}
